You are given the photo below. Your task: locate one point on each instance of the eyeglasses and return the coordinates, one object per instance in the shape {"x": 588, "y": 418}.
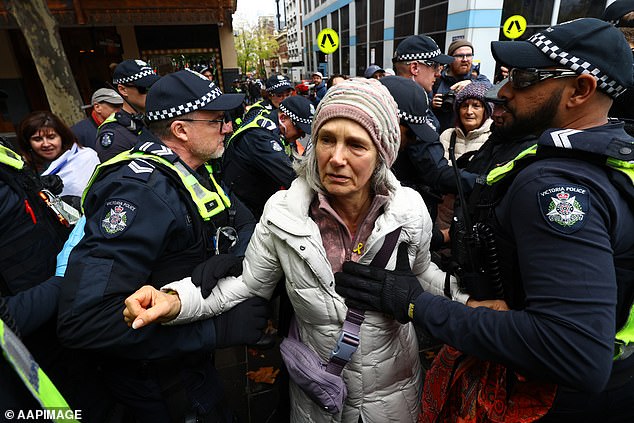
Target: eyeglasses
{"x": 212, "y": 121}
{"x": 141, "y": 90}
{"x": 524, "y": 78}
{"x": 463, "y": 56}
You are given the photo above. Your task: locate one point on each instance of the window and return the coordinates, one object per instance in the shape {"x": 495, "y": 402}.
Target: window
{"x": 344, "y": 39}
{"x": 537, "y": 13}
{"x": 403, "y": 26}
{"x": 432, "y": 20}
{"x": 334, "y": 19}
{"x": 573, "y": 9}
{"x": 404, "y": 6}
{"x": 376, "y": 10}
{"x": 345, "y": 60}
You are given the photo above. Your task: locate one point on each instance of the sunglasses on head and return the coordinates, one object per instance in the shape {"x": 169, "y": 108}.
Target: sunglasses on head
{"x": 524, "y": 78}
{"x": 430, "y": 63}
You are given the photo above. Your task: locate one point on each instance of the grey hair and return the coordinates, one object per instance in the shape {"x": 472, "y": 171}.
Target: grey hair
{"x": 306, "y": 167}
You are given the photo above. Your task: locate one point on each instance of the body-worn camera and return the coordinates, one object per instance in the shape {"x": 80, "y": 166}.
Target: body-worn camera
{"x": 448, "y": 100}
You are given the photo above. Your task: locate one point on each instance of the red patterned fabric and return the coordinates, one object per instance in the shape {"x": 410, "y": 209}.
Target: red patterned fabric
{"x": 464, "y": 389}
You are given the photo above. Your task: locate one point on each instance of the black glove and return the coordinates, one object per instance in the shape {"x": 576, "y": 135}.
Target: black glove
{"x": 388, "y": 291}
{"x": 207, "y": 273}
{"x": 53, "y": 183}
{"x": 243, "y": 324}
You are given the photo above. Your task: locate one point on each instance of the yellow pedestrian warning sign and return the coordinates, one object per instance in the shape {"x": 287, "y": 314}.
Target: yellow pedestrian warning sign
{"x": 514, "y": 26}
{"x": 328, "y": 40}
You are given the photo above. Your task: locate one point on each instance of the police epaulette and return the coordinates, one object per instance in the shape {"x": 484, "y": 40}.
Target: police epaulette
{"x": 266, "y": 124}
{"x": 139, "y": 169}
{"x": 157, "y": 149}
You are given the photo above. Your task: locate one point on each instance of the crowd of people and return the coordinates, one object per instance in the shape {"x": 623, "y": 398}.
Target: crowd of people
{"x": 423, "y": 201}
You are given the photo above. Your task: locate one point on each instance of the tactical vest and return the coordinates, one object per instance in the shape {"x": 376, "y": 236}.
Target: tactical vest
{"x": 243, "y": 180}
{"x": 209, "y": 208}
{"x": 30, "y": 259}
{"x": 261, "y": 108}
{"x": 621, "y": 174}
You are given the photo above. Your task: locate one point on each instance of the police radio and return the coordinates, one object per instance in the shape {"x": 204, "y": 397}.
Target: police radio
{"x": 476, "y": 264}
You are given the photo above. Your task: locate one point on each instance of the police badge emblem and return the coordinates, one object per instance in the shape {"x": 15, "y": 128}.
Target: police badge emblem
{"x": 276, "y": 146}
{"x": 564, "y": 206}
{"x": 106, "y": 139}
{"x": 118, "y": 217}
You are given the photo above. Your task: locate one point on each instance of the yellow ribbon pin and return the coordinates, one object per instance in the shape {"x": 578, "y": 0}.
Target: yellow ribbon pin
{"x": 358, "y": 249}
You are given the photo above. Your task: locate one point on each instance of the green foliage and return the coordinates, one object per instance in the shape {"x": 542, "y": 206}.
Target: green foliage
{"x": 254, "y": 45}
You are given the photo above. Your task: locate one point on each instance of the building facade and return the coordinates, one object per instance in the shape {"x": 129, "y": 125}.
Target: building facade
{"x": 168, "y": 34}
{"x": 370, "y": 30}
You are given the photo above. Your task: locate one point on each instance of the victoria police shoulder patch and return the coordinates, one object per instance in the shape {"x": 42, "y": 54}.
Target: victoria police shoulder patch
{"x": 106, "y": 139}
{"x": 118, "y": 215}
{"x": 276, "y": 146}
{"x": 565, "y": 206}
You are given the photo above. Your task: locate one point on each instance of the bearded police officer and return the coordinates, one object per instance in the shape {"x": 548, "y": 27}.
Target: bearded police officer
{"x": 151, "y": 216}
{"x": 562, "y": 223}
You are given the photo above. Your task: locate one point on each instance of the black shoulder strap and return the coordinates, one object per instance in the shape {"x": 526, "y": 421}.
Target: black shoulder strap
{"x": 389, "y": 243}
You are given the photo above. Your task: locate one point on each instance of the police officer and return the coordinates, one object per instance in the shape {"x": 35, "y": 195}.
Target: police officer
{"x": 418, "y": 57}
{"x": 563, "y": 226}
{"x": 278, "y": 87}
{"x": 120, "y": 131}
{"x": 421, "y": 164}
{"x": 31, "y": 237}
{"x": 151, "y": 217}
{"x": 257, "y": 162}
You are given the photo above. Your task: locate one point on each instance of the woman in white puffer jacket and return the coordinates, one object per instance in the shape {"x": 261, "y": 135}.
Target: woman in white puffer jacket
{"x": 341, "y": 207}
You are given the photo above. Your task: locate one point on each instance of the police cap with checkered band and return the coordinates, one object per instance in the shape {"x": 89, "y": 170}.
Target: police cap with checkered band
{"x": 277, "y": 84}
{"x": 134, "y": 72}
{"x": 184, "y": 92}
{"x": 420, "y": 47}
{"x": 412, "y": 103}
{"x": 300, "y": 110}
{"x": 586, "y": 46}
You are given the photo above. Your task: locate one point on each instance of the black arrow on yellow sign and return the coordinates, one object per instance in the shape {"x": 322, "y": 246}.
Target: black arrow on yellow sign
{"x": 513, "y": 24}
{"x": 323, "y": 40}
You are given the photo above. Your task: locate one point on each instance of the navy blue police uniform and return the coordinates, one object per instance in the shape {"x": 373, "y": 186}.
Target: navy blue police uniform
{"x": 31, "y": 238}
{"x": 276, "y": 84}
{"x": 257, "y": 162}
{"x": 150, "y": 219}
{"x": 561, "y": 214}
{"x": 423, "y": 49}
{"x": 421, "y": 164}
{"x": 120, "y": 131}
